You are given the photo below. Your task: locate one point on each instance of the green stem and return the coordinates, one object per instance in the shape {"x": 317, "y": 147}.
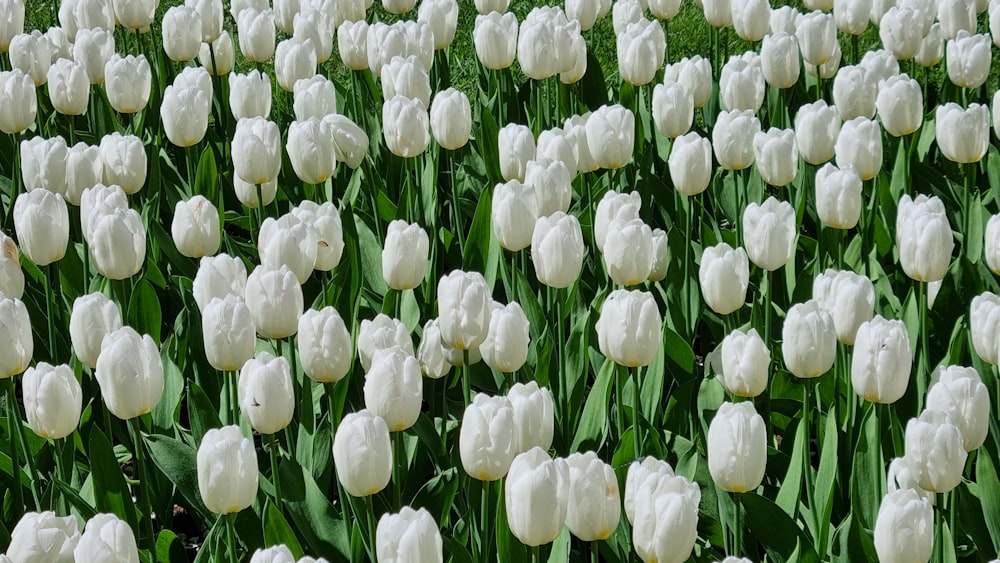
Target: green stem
{"x": 536, "y": 554}
{"x": 49, "y": 309}
{"x": 459, "y": 231}
{"x": 620, "y": 402}
{"x": 399, "y": 460}
{"x": 686, "y": 300}
{"x": 466, "y": 378}
{"x": 768, "y": 300}
{"x": 234, "y": 396}
{"x": 272, "y": 443}
{"x": 924, "y": 378}
{"x": 145, "y": 485}
{"x": 939, "y": 526}
{"x": 595, "y": 552}
{"x": 636, "y": 415}
{"x": 484, "y": 522}
{"x": 807, "y": 388}
{"x": 370, "y": 517}
{"x": 738, "y": 525}
{"x": 14, "y": 421}
{"x": 970, "y": 187}
{"x": 231, "y": 535}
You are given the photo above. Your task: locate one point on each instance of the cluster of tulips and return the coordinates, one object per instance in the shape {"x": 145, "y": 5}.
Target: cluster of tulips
{"x": 646, "y": 215}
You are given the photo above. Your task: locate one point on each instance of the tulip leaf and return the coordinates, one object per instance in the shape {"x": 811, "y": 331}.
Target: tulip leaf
{"x": 165, "y": 411}
{"x": 592, "y": 430}
{"x": 75, "y": 500}
{"x": 169, "y": 547}
{"x": 179, "y": 462}
{"x": 826, "y": 480}
{"x": 560, "y": 547}
{"x": 145, "y": 311}
{"x": 989, "y": 491}
{"x": 678, "y": 350}
{"x": 110, "y": 489}
{"x": 371, "y": 257}
{"x": 315, "y": 518}
{"x": 207, "y": 177}
{"x": 593, "y": 88}
{"x": 201, "y": 413}
{"x": 482, "y": 249}
{"x": 973, "y": 240}
{"x": 509, "y": 548}
{"x": 776, "y": 531}
{"x": 868, "y": 472}
{"x": 791, "y": 485}
{"x": 277, "y": 531}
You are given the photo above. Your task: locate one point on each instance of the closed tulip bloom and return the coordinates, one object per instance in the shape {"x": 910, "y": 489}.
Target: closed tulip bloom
{"x": 751, "y": 19}
{"x": 442, "y": 15}
{"x": 266, "y": 396}
{"x": 53, "y": 400}
{"x": 227, "y": 470}
{"x": 383, "y": 42}
{"x": 352, "y": 43}
{"x": 963, "y": 134}
{"x": 533, "y": 416}
{"x": 184, "y": 112}
{"x": 746, "y": 363}
{"x": 43, "y": 536}
{"x": 451, "y": 119}
{"x": 12, "y": 22}
{"x": 838, "y": 196}
{"x": 398, "y": 6}
{"x": 404, "y": 258}
{"x": 557, "y": 249}
{"x": 218, "y": 276}
{"x": 249, "y": 95}
{"x": 125, "y": 161}
{"x": 779, "y": 60}
{"x": 809, "y": 340}
{"x": 381, "y": 333}
{"x": 248, "y": 195}
{"x": 211, "y": 12}
{"x": 991, "y": 248}
{"x": 661, "y": 252}
{"x": 695, "y": 73}
{"x": 118, "y": 243}
{"x": 92, "y": 317}
{"x": 405, "y": 126}
{"x": 900, "y": 105}
{"x": 537, "y": 497}
{"x": 783, "y": 19}
{"x": 294, "y": 59}
{"x": 859, "y": 145}
{"x": 17, "y": 101}
{"x": 315, "y": 97}
{"x": 410, "y": 535}
{"x": 315, "y": 25}
{"x": 880, "y": 366}
{"x": 817, "y": 127}
{"x": 464, "y": 307}
{"x": 666, "y": 527}
{"x": 256, "y": 34}
{"x": 31, "y": 53}
{"x": 93, "y": 48}
{"x": 594, "y": 506}
{"x": 516, "y": 146}
{"x": 769, "y": 231}
{"x": 127, "y": 82}
{"x": 433, "y": 354}
{"x": 136, "y": 15}
{"x": 562, "y": 144}
{"x": 97, "y": 201}
{"x": 848, "y": 297}
{"x": 130, "y": 373}
{"x": 41, "y": 220}
{"x": 673, "y": 109}
{"x": 904, "y": 528}
{"x": 544, "y": 43}
{"x": 228, "y": 330}
{"x": 718, "y": 13}
{"x": 984, "y": 324}
{"x": 817, "y": 35}
{"x": 11, "y": 276}
{"x": 550, "y": 182}
{"x": 647, "y": 477}
{"x": 628, "y": 251}
{"x": 960, "y": 392}
{"x": 68, "y": 86}
{"x": 43, "y": 164}
{"x": 506, "y": 346}
{"x": 324, "y": 220}
{"x": 969, "y": 59}
{"x": 732, "y": 138}
{"x": 284, "y": 14}
{"x": 625, "y": 13}
{"x": 195, "y": 227}
{"x": 349, "y": 140}
{"x": 628, "y": 330}
{"x": 851, "y": 16}
{"x": 257, "y": 150}
{"x": 311, "y": 150}
{"x": 181, "y": 33}
{"x": 934, "y": 447}
{"x": 274, "y": 297}
{"x": 84, "y": 170}
{"x": 776, "y": 156}
{"x": 901, "y": 32}
{"x": 690, "y": 163}
{"x": 107, "y": 538}
{"x": 881, "y": 64}
{"x": 737, "y": 447}
{"x": 901, "y": 476}
{"x": 854, "y": 92}
{"x": 641, "y": 47}
{"x": 487, "y": 440}
{"x": 324, "y": 345}
{"x": 611, "y": 136}
{"x": 923, "y": 238}
{"x": 362, "y": 453}
{"x": 393, "y": 387}
{"x": 583, "y": 11}
{"x": 290, "y": 242}
{"x": 724, "y": 276}
{"x": 955, "y": 16}
{"x": 664, "y": 9}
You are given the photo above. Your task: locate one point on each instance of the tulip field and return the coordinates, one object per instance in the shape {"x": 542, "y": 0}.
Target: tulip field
{"x": 443, "y": 280}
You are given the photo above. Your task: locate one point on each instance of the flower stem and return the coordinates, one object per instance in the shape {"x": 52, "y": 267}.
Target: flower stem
{"x": 144, "y": 485}
{"x": 466, "y": 377}
{"x": 399, "y": 460}
{"x": 925, "y": 355}
{"x": 231, "y": 535}
{"x": 370, "y": 517}
{"x": 484, "y": 522}
{"x": 636, "y": 416}
{"x": 272, "y": 443}
{"x": 738, "y": 525}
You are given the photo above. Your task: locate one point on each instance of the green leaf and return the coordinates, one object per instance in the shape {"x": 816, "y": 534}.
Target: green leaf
{"x": 986, "y": 476}
{"x": 316, "y": 520}
{"x": 110, "y": 489}
{"x": 371, "y": 257}
{"x": 179, "y": 462}
{"x": 207, "y": 178}
{"x": 791, "y": 485}
{"x": 868, "y": 472}
{"x": 592, "y": 429}
{"x": 560, "y": 548}
{"x": 173, "y": 389}
{"x": 170, "y": 548}
{"x": 678, "y": 350}
{"x": 776, "y": 531}
{"x": 277, "y": 531}
{"x": 201, "y": 413}
{"x": 826, "y": 479}
{"x": 145, "y": 310}
{"x": 482, "y": 250}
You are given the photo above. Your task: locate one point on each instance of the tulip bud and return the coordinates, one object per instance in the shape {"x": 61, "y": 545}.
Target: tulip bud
{"x": 666, "y": 526}
{"x": 808, "y": 340}
{"x": 769, "y": 233}
{"x": 533, "y": 416}
{"x": 410, "y": 535}
{"x": 963, "y": 134}
{"x": 352, "y": 42}
{"x": 694, "y": 73}
{"x": 614, "y": 206}
{"x": 442, "y": 15}
{"x": 393, "y": 387}
{"x": 741, "y": 85}
{"x": 817, "y": 35}
{"x": 228, "y": 330}
{"x": 43, "y": 537}
{"x": 93, "y": 316}
{"x": 901, "y": 476}
{"x": 11, "y": 276}
{"x": 625, "y": 13}
{"x": 130, "y": 373}
{"x": 934, "y": 447}
{"x": 960, "y": 392}
{"x": 900, "y": 105}
{"x": 227, "y": 470}
{"x": 405, "y": 126}
{"x": 641, "y": 47}
{"x": 294, "y": 59}
{"x": 854, "y": 93}
{"x": 274, "y": 297}
{"x": 628, "y": 251}
{"x": 817, "y": 127}
{"x": 433, "y": 354}
{"x": 98, "y": 201}
{"x": 673, "y": 109}
{"x": 643, "y": 480}
{"x": 506, "y": 346}
{"x": 404, "y": 258}
{"x": 181, "y": 33}
{"x": 779, "y": 58}
{"x": 274, "y": 554}
{"x": 583, "y": 11}
{"x": 750, "y": 19}
{"x": 661, "y": 251}
{"x": 12, "y": 23}
{"x": 561, "y": 144}
{"x": 991, "y": 248}
{"x": 43, "y": 164}
{"x": 724, "y": 276}
{"x": 84, "y": 170}
{"x": 628, "y": 330}
{"x": 746, "y": 363}
{"x": 594, "y": 506}
{"x": 311, "y": 150}
{"x": 128, "y": 81}
{"x": 718, "y": 13}
{"x": 284, "y": 14}
{"x": 611, "y": 136}
{"x": 266, "y": 396}
{"x": 17, "y": 101}
{"x": 537, "y": 497}
{"x": 68, "y": 86}
{"x": 880, "y": 367}
{"x": 551, "y": 185}
{"x": 984, "y": 324}
{"x": 851, "y": 16}
{"x": 783, "y": 19}
{"x": 904, "y": 527}
{"x": 362, "y": 454}
{"x": 464, "y": 306}
{"x": 195, "y": 227}
{"x": 257, "y": 150}
{"x": 124, "y": 159}
{"x": 690, "y": 163}
{"x": 838, "y": 196}
{"x": 107, "y": 538}
{"x": 31, "y": 53}
{"x": 557, "y": 249}
{"x": 41, "y": 221}
{"x": 451, "y": 118}
{"x": 901, "y": 31}
{"x": 931, "y": 47}
{"x": 218, "y": 276}
{"x": 256, "y": 33}
{"x": 776, "y": 156}
{"x": 315, "y": 97}
{"x": 184, "y": 112}
{"x": 324, "y": 345}
{"x": 859, "y": 145}
{"x": 53, "y": 400}
{"x": 516, "y": 147}
{"x": 923, "y": 238}
{"x": 324, "y": 221}
{"x": 544, "y": 43}
{"x": 488, "y": 437}
{"x": 737, "y": 447}
{"x": 732, "y": 138}
{"x": 314, "y": 25}
{"x": 408, "y": 78}
{"x": 848, "y": 297}
{"x": 93, "y": 48}
{"x": 969, "y": 59}
{"x": 381, "y": 333}
{"x": 350, "y": 141}
{"x": 118, "y": 243}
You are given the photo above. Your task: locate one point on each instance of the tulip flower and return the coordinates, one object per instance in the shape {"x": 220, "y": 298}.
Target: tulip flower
{"x": 695, "y": 73}
{"x": 13, "y": 22}
{"x": 130, "y": 373}
{"x": 294, "y": 59}
{"x": 227, "y": 470}
{"x": 257, "y": 150}
{"x": 405, "y": 126}
{"x": 625, "y": 13}
{"x": 127, "y": 82}
{"x": 93, "y": 316}
{"x": 31, "y": 53}
{"x": 107, "y": 538}
{"x": 324, "y": 220}
{"x": 658, "y": 271}
{"x": 324, "y": 345}
{"x": 848, "y": 297}
{"x": 228, "y": 330}
{"x": 404, "y": 258}
{"x": 901, "y": 476}
{"x": 274, "y": 297}
{"x": 53, "y": 400}
{"x": 315, "y": 97}
{"x": 931, "y": 47}
{"x": 746, "y": 363}
{"x": 854, "y": 92}
{"x": 562, "y": 145}
{"x": 350, "y": 141}
{"x": 960, "y": 392}
{"x": 732, "y": 138}
{"x": 628, "y": 330}
{"x": 741, "y": 85}
{"x": 16, "y": 344}
{"x": 900, "y": 105}
{"x": 614, "y": 206}
{"x": 84, "y": 170}
{"x": 41, "y": 220}
{"x": 68, "y": 86}
{"x": 543, "y": 43}
{"x": 808, "y": 340}
{"x": 410, "y": 535}
{"x": 43, "y": 537}
{"x": 256, "y": 34}
{"x": 551, "y": 185}
{"x": 284, "y": 14}
{"x": 533, "y": 416}
{"x": 817, "y": 127}
{"x": 43, "y": 164}
{"x": 666, "y": 526}
{"x": 381, "y": 333}
{"x": 779, "y": 60}
{"x": 750, "y": 19}
{"x": 408, "y": 78}
{"x": 776, "y": 156}
{"x": 859, "y": 145}
{"x": 93, "y": 48}
{"x": 118, "y": 243}
{"x": 125, "y": 162}
{"x": 495, "y": 37}
{"x": 610, "y": 134}
{"x": 352, "y": 42}
{"x": 904, "y": 528}
{"x": 902, "y": 33}
{"x": 218, "y": 276}
{"x": 181, "y": 33}
{"x": 433, "y": 354}
{"x": 314, "y": 25}
{"x": 955, "y": 16}
{"x": 557, "y": 249}
{"x": 880, "y": 367}
{"x": 769, "y": 233}
{"x": 594, "y": 506}
{"x": 968, "y": 59}
{"x": 184, "y": 112}
{"x": 984, "y": 322}
{"x": 628, "y": 251}
{"x": 311, "y": 150}
{"x": 963, "y": 134}
{"x": 506, "y": 346}
{"x": 362, "y": 454}
{"x": 11, "y": 276}
{"x": 783, "y": 19}
{"x": 442, "y": 15}
{"x": 817, "y": 35}
{"x": 516, "y": 147}
{"x": 195, "y": 227}
{"x": 737, "y": 447}
{"x": 838, "y": 196}
{"x": 991, "y": 248}
{"x": 451, "y": 117}
{"x": 265, "y": 393}
{"x": 383, "y": 42}
{"x": 718, "y": 13}
{"x": 393, "y": 387}
{"x": 851, "y": 16}
{"x": 935, "y": 449}
{"x": 673, "y": 109}
{"x": 643, "y": 479}
{"x": 17, "y": 101}
{"x": 488, "y": 437}
{"x": 641, "y": 48}
{"x": 464, "y": 305}
{"x": 98, "y": 201}
{"x": 690, "y": 163}
{"x": 923, "y": 238}
{"x": 724, "y": 276}
{"x": 537, "y": 497}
